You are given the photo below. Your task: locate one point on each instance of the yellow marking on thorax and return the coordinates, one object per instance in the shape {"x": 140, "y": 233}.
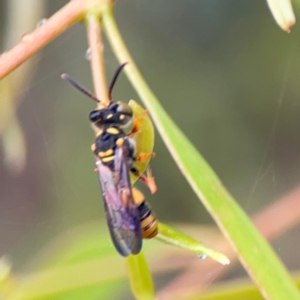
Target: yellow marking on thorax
{"x": 109, "y": 158}
{"x": 109, "y": 116}
{"x": 122, "y": 117}
{"x": 120, "y": 142}
{"x": 109, "y": 152}
{"x": 113, "y": 130}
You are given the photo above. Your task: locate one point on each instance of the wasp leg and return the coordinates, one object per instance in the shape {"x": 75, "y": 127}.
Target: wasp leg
{"x": 136, "y": 123}
{"x": 142, "y": 157}
{"x": 147, "y": 179}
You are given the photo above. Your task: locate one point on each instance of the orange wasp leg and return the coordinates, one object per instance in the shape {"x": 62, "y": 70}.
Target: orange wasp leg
{"x": 148, "y": 180}
{"x": 142, "y": 157}
{"x": 136, "y": 123}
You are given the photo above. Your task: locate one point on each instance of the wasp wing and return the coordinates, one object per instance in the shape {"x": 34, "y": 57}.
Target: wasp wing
{"x": 121, "y": 212}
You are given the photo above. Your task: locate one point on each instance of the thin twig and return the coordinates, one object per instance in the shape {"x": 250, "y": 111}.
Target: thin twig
{"x": 96, "y": 58}
{"x": 11, "y": 131}
{"x": 36, "y": 40}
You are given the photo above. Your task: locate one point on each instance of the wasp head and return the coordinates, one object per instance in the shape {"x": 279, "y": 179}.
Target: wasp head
{"x": 117, "y": 113}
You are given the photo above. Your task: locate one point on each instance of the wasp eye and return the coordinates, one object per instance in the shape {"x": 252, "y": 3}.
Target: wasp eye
{"x": 124, "y": 108}
{"x": 95, "y": 116}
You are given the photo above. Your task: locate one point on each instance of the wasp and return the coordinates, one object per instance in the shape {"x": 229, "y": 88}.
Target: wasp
{"x": 128, "y": 216}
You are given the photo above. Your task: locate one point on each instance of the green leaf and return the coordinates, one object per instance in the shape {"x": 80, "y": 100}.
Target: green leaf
{"x": 144, "y": 138}
{"x": 170, "y": 235}
{"x": 254, "y": 252}
{"x": 239, "y": 291}
{"x": 81, "y": 261}
{"x": 140, "y": 277}
{"x": 235, "y": 290}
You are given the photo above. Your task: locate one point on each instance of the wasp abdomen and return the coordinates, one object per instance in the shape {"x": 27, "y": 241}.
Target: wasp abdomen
{"x": 148, "y": 221}
{"x": 149, "y": 224}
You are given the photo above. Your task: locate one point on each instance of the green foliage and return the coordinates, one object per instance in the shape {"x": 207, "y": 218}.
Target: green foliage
{"x": 254, "y": 252}
{"x": 80, "y": 262}
{"x": 235, "y": 290}
{"x": 84, "y": 264}
{"x": 83, "y": 261}
{"x": 174, "y": 237}
{"x": 140, "y": 277}
{"x": 144, "y": 138}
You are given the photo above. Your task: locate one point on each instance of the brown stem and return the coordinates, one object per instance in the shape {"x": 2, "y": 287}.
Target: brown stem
{"x": 34, "y": 41}
{"x": 96, "y": 58}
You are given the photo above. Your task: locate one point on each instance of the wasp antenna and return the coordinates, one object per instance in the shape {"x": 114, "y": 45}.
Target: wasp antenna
{"x": 114, "y": 79}
{"x": 79, "y": 87}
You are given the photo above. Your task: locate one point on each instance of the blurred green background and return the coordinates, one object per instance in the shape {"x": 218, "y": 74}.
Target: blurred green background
{"x": 225, "y": 73}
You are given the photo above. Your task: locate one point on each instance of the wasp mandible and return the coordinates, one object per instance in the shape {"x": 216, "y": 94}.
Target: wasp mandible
{"x": 128, "y": 216}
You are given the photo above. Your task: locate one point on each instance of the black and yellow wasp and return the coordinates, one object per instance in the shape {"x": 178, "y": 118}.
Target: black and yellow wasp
{"x": 129, "y": 218}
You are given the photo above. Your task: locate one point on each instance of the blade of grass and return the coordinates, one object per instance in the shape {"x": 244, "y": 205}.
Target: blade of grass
{"x": 234, "y": 290}
{"x": 197, "y": 278}
{"x": 140, "y": 277}
{"x": 254, "y": 252}
{"x": 79, "y": 259}
{"x": 171, "y": 236}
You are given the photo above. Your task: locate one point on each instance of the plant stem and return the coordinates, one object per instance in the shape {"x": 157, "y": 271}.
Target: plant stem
{"x": 36, "y": 40}
{"x": 96, "y": 58}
